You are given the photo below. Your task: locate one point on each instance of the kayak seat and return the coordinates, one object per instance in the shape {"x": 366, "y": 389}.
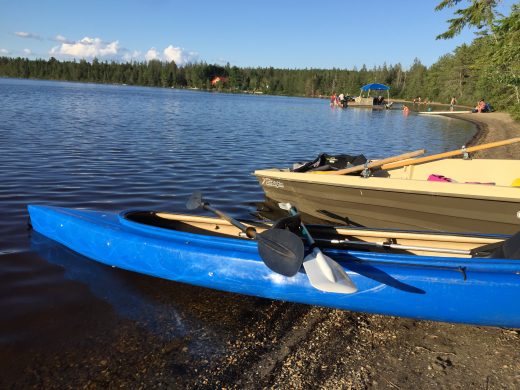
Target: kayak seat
{"x": 508, "y": 249}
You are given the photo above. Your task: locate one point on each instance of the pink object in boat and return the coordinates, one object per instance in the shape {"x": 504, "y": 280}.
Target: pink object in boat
{"x": 440, "y": 178}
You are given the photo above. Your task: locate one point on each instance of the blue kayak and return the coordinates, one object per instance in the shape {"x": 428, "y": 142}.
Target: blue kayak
{"x": 207, "y": 252}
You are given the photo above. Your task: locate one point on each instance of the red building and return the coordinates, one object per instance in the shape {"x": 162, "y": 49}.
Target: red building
{"x": 219, "y": 79}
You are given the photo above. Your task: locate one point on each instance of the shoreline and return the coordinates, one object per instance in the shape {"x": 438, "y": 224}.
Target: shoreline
{"x": 491, "y": 127}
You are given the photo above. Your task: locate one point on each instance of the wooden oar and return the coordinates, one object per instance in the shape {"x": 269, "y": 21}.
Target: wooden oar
{"x": 281, "y": 250}
{"x": 374, "y": 164}
{"x": 457, "y": 152}
{"x": 324, "y": 273}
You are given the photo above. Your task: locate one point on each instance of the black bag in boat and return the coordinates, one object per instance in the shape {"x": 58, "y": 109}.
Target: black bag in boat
{"x": 328, "y": 162}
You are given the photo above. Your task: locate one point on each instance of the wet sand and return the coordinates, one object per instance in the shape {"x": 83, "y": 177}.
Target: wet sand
{"x": 494, "y": 126}
{"x": 76, "y": 335}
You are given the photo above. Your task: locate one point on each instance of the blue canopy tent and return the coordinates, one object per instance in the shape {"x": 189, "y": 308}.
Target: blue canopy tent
{"x": 375, "y": 87}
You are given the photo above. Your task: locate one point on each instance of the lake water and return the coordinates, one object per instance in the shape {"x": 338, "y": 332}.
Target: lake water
{"x": 117, "y": 147}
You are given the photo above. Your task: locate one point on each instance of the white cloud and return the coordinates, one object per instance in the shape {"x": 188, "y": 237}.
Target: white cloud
{"x": 61, "y": 38}
{"x": 179, "y": 55}
{"x": 4, "y": 51}
{"x": 27, "y": 52}
{"x": 129, "y": 56}
{"x": 171, "y": 53}
{"x": 24, "y": 34}
{"x": 90, "y": 48}
{"x": 152, "y": 54}
{"x": 87, "y": 48}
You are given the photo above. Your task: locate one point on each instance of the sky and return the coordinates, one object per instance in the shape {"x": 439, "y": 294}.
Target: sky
{"x": 283, "y": 34}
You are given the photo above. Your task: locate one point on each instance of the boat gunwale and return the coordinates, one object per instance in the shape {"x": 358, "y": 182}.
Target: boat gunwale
{"x": 345, "y": 256}
{"x": 396, "y": 185}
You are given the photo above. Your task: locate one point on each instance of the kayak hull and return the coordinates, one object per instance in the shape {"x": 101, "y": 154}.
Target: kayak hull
{"x": 474, "y": 291}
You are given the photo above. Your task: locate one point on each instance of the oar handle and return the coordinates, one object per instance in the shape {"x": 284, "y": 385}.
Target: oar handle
{"x": 249, "y": 231}
{"x": 452, "y": 153}
{"x": 375, "y": 164}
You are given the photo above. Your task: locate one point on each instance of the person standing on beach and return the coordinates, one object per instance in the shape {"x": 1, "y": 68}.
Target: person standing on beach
{"x": 452, "y": 103}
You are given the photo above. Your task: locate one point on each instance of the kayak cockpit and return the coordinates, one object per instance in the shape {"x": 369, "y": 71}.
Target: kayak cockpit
{"x": 364, "y": 239}
{"x": 207, "y": 226}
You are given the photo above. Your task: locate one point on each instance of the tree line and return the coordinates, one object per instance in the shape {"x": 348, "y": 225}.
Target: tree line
{"x": 297, "y": 82}
{"x": 487, "y": 68}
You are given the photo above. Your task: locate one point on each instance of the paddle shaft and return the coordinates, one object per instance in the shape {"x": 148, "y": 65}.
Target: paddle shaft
{"x": 281, "y": 250}
{"x": 305, "y": 232}
{"x": 249, "y": 231}
{"x": 386, "y": 245}
{"x": 457, "y": 152}
{"x": 375, "y": 164}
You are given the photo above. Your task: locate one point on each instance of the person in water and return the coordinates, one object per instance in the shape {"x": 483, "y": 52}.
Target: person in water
{"x": 342, "y": 99}
{"x": 333, "y": 99}
{"x": 452, "y": 103}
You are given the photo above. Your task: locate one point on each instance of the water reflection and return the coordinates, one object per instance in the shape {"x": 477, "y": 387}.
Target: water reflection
{"x": 167, "y": 309}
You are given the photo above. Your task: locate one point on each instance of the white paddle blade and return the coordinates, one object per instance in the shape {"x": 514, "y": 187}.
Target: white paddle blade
{"x": 326, "y": 274}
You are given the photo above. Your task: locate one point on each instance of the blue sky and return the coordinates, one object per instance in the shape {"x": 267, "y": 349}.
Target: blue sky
{"x": 282, "y": 34}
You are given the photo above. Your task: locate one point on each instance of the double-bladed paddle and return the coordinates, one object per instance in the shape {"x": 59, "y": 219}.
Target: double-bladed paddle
{"x": 281, "y": 250}
{"x": 323, "y": 272}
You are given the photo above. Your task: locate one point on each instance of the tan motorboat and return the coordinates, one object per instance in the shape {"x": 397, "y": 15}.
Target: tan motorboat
{"x": 483, "y": 195}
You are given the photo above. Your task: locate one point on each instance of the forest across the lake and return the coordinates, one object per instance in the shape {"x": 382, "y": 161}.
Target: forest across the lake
{"x": 488, "y": 68}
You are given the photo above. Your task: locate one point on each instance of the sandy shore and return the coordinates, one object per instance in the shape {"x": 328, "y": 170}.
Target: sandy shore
{"x": 494, "y": 126}
{"x": 221, "y": 340}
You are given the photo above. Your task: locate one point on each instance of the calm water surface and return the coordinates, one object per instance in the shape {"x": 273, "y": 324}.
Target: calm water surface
{"x": 117, "y": 147}
{"x": 114, "y": 147}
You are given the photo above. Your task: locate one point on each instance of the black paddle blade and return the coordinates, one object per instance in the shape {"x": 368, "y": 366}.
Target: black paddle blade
{"x": 281, "y": 250}
{"x": 195, "y": 201}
